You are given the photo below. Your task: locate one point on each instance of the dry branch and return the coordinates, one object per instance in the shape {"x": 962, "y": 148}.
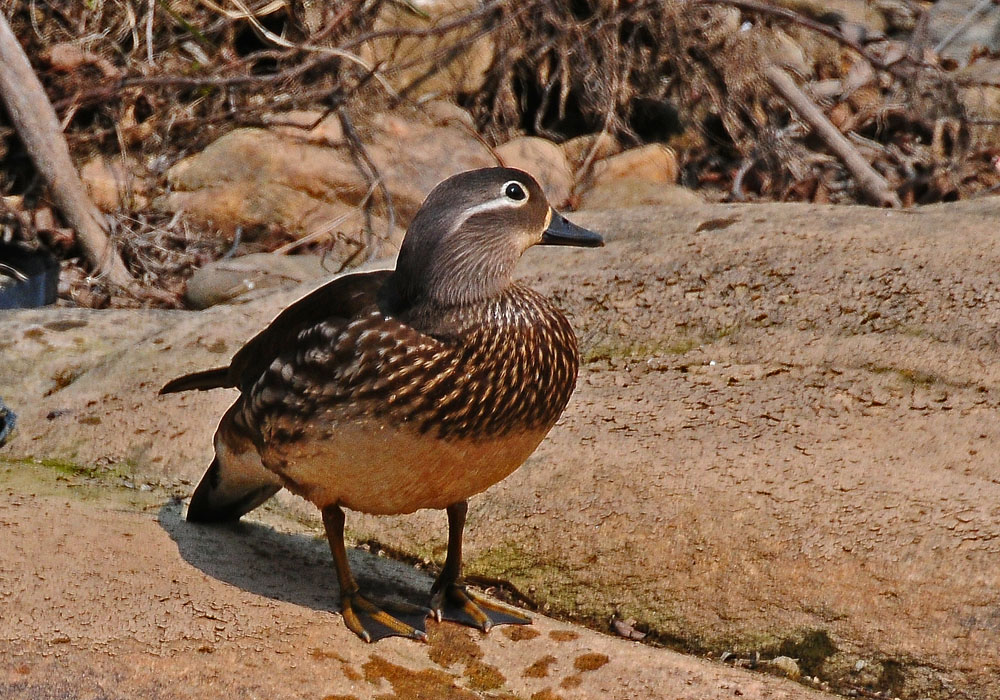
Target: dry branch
{"x": 873, "y": 184}
{"x": 367, "y": 167}
{"x": 36, "y": 123}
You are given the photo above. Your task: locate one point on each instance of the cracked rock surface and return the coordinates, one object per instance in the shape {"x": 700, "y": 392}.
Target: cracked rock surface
{"x": 781, "y": 443}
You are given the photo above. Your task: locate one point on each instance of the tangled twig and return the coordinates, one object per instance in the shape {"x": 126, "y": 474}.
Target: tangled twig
{"x": 372, "y": 174}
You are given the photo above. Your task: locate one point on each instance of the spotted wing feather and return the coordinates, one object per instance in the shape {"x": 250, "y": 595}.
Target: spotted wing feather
{"x": 336, "y": 301}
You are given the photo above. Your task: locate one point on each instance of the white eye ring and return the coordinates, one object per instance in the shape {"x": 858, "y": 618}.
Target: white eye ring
{"x": 514, "y": 191}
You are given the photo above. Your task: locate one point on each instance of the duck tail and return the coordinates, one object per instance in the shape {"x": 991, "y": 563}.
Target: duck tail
{"x": 208, "y": 379}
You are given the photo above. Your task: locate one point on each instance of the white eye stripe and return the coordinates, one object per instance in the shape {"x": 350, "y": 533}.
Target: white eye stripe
{"x": 498, "y": 203}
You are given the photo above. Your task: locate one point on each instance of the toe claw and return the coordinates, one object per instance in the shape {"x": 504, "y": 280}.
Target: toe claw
{"x": 371, "y": 623}
{"x": 457, "y": 604}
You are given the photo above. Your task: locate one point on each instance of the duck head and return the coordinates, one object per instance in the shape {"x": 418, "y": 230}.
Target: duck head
{"x": 464, "y": 242}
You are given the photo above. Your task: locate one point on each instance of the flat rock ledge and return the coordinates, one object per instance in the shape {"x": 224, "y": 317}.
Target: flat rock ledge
{"x": 780, "y": 444}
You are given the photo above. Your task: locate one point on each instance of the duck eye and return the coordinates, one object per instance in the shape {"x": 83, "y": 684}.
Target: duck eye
{"x": 514, "y": 190}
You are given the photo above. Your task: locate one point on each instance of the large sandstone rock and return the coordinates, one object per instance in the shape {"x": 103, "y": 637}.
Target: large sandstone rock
{"x": 652, "y": 163}
{"x": 260, "y": 156}
{"x": 781, "y": 440}
{"x": 108, "y": 593}
{"x": 414, "y": 157}
{"x": 545, "y": 161}
{"x": 305, "y": 181}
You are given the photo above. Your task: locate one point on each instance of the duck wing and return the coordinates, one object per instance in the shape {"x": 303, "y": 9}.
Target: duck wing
{"x": 340, "y": 299}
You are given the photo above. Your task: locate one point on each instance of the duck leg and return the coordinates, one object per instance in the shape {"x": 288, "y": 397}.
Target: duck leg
{"x": 363, "y": 617}
{"x": 450, "y": 600}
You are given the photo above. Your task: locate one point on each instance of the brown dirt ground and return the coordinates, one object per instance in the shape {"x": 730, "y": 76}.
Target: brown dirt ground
{"x": 780, "y": 440}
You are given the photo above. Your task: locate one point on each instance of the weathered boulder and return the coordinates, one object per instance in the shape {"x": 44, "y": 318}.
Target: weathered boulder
{"x": 411, "y": 154}
{"x": 302, "y": 179}
{"x": 545, "y": 161}
{"x": 653, "y": 163}
{"x": 415, "y": 156}
{"x": 628, "y": 192}
{"x": 258, "y": 156}
{"x": 250, "y": 611}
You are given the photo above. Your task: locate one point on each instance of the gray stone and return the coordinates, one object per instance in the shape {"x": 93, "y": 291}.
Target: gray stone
{"x": 223, "y": 281}
{"x": 786, "y": 666}
{"x": 631, "y": 192}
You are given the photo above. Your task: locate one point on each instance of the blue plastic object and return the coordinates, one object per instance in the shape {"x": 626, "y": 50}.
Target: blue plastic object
{"x": 7, "y": 422}
{"x": 28, "y": 278}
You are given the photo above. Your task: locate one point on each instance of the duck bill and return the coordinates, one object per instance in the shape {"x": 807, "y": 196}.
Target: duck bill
{"x": 560, "y": 231}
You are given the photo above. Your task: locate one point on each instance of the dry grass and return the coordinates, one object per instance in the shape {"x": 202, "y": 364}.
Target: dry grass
{"x": 690, "y": 74}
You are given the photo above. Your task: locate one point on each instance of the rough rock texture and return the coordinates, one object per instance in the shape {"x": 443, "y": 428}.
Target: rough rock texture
{"x": 781, "y": 440}
{"x": 108, "y": 593}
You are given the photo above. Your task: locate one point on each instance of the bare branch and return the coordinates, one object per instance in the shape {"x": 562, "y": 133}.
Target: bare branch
{"x": 873, "y": 184}
{"x": 372, "y": 174}
{"x": 38, "y": 127}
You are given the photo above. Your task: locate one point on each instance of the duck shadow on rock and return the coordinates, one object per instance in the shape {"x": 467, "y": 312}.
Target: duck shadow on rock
{"x": 293, "y": 568}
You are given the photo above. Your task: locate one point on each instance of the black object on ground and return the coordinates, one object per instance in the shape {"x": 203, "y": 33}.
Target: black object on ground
{"x": 28, "y": 278}
{"x": 7, "y": 422}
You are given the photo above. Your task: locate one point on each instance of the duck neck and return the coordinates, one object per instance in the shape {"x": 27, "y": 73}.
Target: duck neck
{"x": 512, "y": 306}
{"x": 455, "y": 271}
